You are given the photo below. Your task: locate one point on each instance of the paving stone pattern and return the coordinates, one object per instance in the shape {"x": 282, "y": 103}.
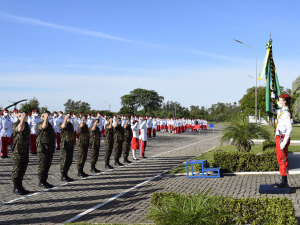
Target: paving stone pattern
{"x": 63, "y": 203}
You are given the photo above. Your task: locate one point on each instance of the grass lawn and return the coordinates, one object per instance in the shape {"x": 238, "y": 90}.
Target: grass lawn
{"x": 209, "y": 155}
{"x": 295, "y": 135}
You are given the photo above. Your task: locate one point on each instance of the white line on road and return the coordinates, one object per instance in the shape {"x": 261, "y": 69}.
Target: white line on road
{"x": 124, "y": 192}
{"x": 36, "y": 193}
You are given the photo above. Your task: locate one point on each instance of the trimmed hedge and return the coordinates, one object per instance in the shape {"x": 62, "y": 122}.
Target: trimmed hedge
{"x": 245, "y": 161}
{"x": 269, "y": 145}
{"x": 263, "y": 210}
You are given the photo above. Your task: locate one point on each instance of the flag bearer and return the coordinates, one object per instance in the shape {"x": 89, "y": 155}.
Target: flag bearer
{"x": 282, "y": 137}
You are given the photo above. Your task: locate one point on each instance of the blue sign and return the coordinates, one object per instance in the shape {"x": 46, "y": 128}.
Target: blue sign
{"x": 211, "y": 125}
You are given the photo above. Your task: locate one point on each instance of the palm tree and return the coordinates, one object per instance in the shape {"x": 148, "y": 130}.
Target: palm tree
{"x": 241, "y": 133}
{"x": 296, "y": 105}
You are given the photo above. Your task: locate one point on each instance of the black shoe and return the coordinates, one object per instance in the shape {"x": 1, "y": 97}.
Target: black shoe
{"x": 43, "y": 183}
{"x": 81, "y": 173}
{"x": 57, "y": 148}
{"x": 143, "y": 157}
{"x": 4, "y": 156}
{"x": 117, "y": 163}
{"x": 23, "y": 189}
{"x": 64, "y": 177}
{"x": 93, "y": 169}
{"x": 126, "y": 160}
{"x": 107, "y": 166}
{"x": 17, "y": 190}
{"x": 282, "y": 184}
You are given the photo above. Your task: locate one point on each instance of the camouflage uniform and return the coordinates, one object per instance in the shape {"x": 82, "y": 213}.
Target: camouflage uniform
{"x": 20, "y": 151}
{"x": 95, "y": 145}
{"x": 118, "y": 140}
{"x": 127, "y": 140}
{"x": 45, "y": 145}
{"x": 82, "y": 145}
{"x": 66, "y": 146}
{"x": 109, "y": 141}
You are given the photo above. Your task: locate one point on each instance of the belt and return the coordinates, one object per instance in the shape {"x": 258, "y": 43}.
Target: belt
{"x": 5, "y": 128}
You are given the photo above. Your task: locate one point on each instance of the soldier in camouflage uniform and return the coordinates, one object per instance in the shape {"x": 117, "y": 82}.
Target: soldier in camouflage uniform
{"x": 127, "y": 141}
{"x": 82, "y": 146}
{"x": 109, "y": 141}
{"x": 118, "y": 141}
{"x": 66, "y": 147}
{"x": 45, "y": 145}
{"x": 95, "y": 145}
{"x": 20, "y": 152}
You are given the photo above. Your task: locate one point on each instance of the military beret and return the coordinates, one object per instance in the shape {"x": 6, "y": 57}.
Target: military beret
{"x": 284, "y": 96}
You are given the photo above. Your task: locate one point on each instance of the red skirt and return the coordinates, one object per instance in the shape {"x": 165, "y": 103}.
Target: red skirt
{"x": 135, "y": 143}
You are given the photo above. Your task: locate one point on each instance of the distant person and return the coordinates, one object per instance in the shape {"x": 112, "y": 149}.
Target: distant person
{"x": 135, "y": 138}
{"x": 35, "y": 119}
{"x": 118, "y": 141}
{"x": 143, "y": 138}
{"x": 109, "y": 141}
{"x": 5, "y": 133}
{"x": 82, "y": 146}
{"x": 127, "y": 140}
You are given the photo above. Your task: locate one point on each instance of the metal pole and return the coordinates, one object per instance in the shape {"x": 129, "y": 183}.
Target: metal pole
{"x": 255, "y": 79}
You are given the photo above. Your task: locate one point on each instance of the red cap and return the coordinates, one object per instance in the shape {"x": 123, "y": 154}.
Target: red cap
{"x": 4, "y": 110}
{"x": 89, "y": 114}
{"x": 73, "y": 113}
{"x": 35, "y": 110}
{"x": 98, "y": 112}
{"x": 16, "y": 110}
{"x": 284, "y": 96}
{"x": 134, "y": 120}
{"x": 144, "y": 118}
{"x": 61, "y": 112}
{"x": 54, "y": 112}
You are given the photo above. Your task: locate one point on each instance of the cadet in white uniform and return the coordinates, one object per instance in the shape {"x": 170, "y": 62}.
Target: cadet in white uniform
{"x": 58, "y": 120}
{"x": 283, "y": 134}
{"x": 5, "y": 133}
{"x": 32, "y": 124}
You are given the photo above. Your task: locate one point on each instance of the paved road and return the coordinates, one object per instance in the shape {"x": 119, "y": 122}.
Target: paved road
{"x": 65, "y": 202}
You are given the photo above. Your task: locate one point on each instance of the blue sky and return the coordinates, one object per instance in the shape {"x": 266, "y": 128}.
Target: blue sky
{"x": 97, "y": 51}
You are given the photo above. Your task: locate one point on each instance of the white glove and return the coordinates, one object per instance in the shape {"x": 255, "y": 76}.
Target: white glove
{"x": 282, "y": 145}
{"x": 273, "y": 95}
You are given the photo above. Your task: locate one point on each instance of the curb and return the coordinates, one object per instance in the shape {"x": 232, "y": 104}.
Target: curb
{"x": 243, "y": 173}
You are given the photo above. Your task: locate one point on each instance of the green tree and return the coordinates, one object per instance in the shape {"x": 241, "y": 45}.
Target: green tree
{"x": 295, "y": 92}
{"x": 241, "y": 133}
{"x": 31, "y": 105}
{"x": 149, "y": 100}
{"x": 77, "y": 107}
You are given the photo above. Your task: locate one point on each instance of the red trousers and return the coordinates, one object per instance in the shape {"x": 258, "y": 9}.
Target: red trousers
{"x": 149, "y": 132}
{"x": 142, "y": 147}
{"x": 33, "y": 143}
{"x": 75, "y": 136}
{"x": 158, "y": 128}
{"x": 154, "y": 132}
{"x": 4, "y": 144}
{"x": 57, "y": 140}
{"x": 166, "y": 128}
{"x": 280, "y": 156}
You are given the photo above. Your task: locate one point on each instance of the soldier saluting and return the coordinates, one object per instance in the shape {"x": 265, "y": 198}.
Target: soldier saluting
{"x": 66, "y": 146}
{"x": 118, "y": 141}
{"x": 45, "y": 145}
{"x": 95, "y": 145}
{"x": 109, "y": 141}
{"x": 20, "y": 152}
{"x": 83, "y": 146}
{"x": 127, "y": 140}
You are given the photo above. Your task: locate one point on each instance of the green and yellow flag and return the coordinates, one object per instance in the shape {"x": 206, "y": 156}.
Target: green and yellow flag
{"x": 268, "y": 68}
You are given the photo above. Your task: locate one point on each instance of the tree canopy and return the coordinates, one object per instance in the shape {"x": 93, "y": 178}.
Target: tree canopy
{"x": 77, "y": 107}
{"x": 149, "y": 100}
{"x": 31, "y": 105}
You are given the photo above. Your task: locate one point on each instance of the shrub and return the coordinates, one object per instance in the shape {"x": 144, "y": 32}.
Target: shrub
{"x": 245, "y": 161}
{"x": 268, "y": 145}
{"x": 263, "y": 210}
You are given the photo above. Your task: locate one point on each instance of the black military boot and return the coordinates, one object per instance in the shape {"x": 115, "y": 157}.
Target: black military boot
{"x": 93, "y": 169}
{"x": 126, "y": 160}
{"x": 107, "y": 166}
{"x": 17, "y": 190}
{"x": 64, "y": 177}
{"x": 81, "y": 173}
{"x": 22, "y": 188}
{"x": 43, "y": 183}
{"x": 117, "y": 163}
{"x": 282, "y": 184}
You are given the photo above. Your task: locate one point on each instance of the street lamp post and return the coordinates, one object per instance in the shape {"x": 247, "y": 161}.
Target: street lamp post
{"x": 255, "y": 79}
{"x": 108, "y": 104}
